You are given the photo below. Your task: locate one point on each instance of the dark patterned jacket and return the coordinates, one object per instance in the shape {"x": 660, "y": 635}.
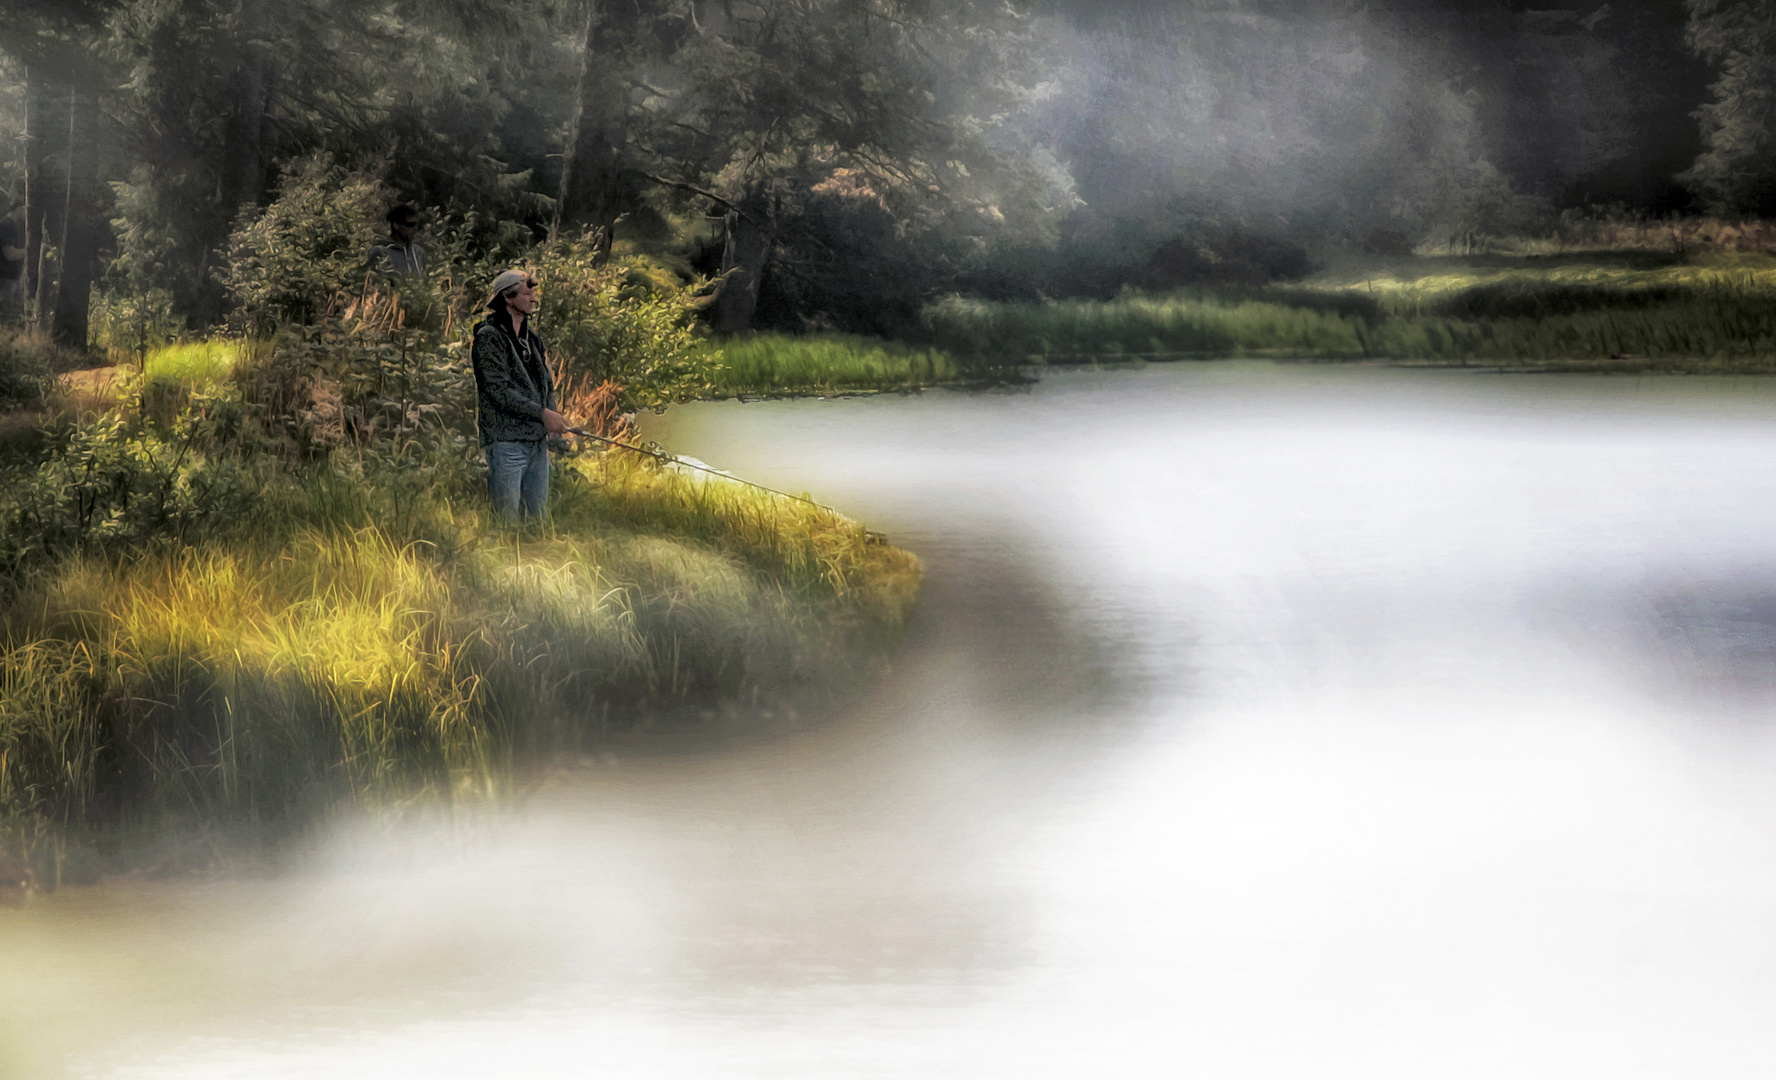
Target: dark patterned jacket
{"x": 512, "y": 383}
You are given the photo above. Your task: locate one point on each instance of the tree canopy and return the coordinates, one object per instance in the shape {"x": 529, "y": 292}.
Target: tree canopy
{"x": 841, "y": 162}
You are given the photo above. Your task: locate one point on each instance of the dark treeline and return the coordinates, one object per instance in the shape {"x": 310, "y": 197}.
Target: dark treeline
{"x": 841, "y": 162}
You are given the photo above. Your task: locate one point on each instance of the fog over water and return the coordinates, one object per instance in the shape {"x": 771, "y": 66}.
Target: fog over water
{"x": 1266, "y": 721}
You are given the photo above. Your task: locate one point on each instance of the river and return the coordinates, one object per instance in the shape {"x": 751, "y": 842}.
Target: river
{"x": 1257, "y": 721}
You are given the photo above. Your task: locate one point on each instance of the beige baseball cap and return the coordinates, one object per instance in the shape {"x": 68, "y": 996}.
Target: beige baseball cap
{"x": 506, "y": 281}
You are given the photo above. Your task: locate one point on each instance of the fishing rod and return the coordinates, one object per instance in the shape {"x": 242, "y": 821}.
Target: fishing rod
{"x": 660, "y": 455}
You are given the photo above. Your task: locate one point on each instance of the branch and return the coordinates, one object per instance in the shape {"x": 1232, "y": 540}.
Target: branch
{"x": 694, "y": 190}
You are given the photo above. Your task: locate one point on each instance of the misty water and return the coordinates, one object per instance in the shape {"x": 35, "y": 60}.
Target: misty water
{"x": 1256, "y": 721}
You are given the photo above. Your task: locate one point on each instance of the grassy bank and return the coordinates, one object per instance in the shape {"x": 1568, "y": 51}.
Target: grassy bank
{"x": 376, "y": 643}
{"x": 258, "y": 584}
{"x": 1700, "y": 311}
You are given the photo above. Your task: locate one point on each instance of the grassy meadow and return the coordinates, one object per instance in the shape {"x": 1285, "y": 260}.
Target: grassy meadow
{"x": 1685, "y": 311}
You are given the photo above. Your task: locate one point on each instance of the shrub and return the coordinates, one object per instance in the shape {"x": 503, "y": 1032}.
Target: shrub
{"x": 360, "y": 381}
{"x": 114, "y": 484}
{"x": 24, "y": 368}
{"x": 306, "y": 251}
{"x": 610, "y": 322}
{"x": 128, "y": 324}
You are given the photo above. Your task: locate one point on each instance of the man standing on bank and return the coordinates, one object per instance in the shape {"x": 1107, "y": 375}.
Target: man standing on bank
{"x": 514, "y": 399}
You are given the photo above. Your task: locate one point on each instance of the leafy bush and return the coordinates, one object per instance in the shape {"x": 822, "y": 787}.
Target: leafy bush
{"x": 619, "y": 323}
{"x": 129, "y": 323}
{"x": 301, "y": 263}
{"x": 114, "y": 485}
{"x": 303, "y": 254}
{"x": 24, "y": 368}
{"x": 360, "y": 381}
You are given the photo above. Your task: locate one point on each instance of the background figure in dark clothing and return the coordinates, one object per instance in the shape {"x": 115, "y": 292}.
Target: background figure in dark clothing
{"x": 514, "y": 399}
{"x": 12, "y": 264}
{"x": 400, "y": 253}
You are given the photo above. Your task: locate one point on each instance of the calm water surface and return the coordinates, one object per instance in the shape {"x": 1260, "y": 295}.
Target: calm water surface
{"x": 1258, "y": 721}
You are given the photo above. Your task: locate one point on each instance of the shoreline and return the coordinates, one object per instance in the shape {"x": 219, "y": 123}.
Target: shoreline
{"x": 171, "y": 710}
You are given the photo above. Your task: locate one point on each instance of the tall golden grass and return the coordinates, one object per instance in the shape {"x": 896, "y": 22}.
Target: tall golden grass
{"x": 315, "y": 657}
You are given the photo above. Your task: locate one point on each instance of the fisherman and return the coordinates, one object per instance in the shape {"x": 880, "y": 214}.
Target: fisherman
{"x": 515, "y": 399}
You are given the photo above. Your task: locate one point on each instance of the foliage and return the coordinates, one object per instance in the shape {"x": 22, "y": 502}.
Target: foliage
{"x": 382, "y": 346}
{"x": 114, "y": 486}
{"x": 814, "y": 122}
{"x": 24, "y": 367}
{"x": 288, "y": 262}
{"x": 453, "y": 102}
{"x": 359, "y": 384}
{"x": 1737, "y": 171}
{"x": 866, "y": 158}
{"x": 128, "y": 322}
{"x": 617, "y": 322}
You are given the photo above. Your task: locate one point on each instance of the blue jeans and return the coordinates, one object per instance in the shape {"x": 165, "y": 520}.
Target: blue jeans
{"x": 518, "y": 478}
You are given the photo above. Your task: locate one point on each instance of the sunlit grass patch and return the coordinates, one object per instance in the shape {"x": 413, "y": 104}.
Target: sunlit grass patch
{"x": 826, "y": 363}
{"x": 226, "y": 685}
{"x": 1434, "y": 284}
{"x": 803, "y": 547}
{"x": 323, "y": 652}
{"x": 197, "y": 363}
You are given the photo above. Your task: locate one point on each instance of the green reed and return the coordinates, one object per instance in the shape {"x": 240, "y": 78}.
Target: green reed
{"x": 826, "y": 363}
{"x": 1698, "y": 312}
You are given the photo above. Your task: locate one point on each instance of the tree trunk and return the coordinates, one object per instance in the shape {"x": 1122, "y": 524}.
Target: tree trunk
{"x": 593, "y": 190}
{"x": 743, "y": 263}
{"x": 242, "y": 177}
{"x": 81, "y": 224}
{"x": 46, "y": 186}
{"x": 34, "y": 192}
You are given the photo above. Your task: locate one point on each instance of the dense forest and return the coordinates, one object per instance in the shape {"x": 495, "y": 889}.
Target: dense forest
{"x": 841, "y": 163}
